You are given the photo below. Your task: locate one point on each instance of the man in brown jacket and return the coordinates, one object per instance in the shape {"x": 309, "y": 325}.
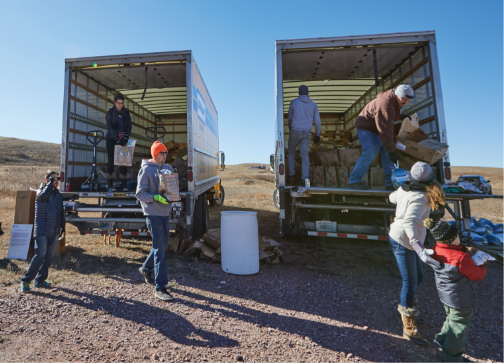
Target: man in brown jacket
{"x": 375, "y": 127}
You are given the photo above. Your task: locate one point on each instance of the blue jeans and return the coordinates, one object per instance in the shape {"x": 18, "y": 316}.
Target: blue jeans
{"x": 159, "y": 228}
{"x": 410, "y": 267}
{"x": 303, "y": 139}
{"x": 39, "y": 265}
{"x": 371, "y": 146}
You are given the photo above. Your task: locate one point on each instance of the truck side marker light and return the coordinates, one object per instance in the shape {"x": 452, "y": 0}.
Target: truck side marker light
{"x": 281, "y": 169}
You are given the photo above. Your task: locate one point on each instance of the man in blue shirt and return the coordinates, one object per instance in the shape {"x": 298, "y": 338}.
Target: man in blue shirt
{"x": 303, "y": 113}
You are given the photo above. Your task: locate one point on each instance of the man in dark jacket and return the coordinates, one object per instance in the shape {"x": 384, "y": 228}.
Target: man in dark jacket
{"x": 49, "y": 226}
{"x": 375, "y": 128}
{"x": 454, "y": 281}
{"x": 119, "y": 129}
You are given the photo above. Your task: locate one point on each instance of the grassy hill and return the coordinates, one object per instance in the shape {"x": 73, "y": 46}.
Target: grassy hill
{"x": 19, "y": 152}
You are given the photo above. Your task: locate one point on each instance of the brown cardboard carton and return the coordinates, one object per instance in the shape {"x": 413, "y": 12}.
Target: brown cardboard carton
{"x": 25, "y": 212}
{"x": 376, "y": 177}
{"x": 170, "y": 144}
{"x": 329, "y": 134}
{"x": 330, "y": 177}
{"x": 423, "y": 153}
{"x": 348, "y": 157}
{"x": 365, "y": 178}
{"x": 342, "y": 175}
{"x": 344, "y": 135}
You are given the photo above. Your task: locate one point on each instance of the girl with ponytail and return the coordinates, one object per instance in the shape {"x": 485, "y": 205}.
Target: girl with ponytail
{"x": 414, "y": 199}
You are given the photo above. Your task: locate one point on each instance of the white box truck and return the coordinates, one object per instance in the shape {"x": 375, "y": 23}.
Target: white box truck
{"x": 168, "y": 100}
{"x": 343, "y": 75}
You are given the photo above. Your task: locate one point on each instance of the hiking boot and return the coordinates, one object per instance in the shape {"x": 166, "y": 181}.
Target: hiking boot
{"x": 43, "y": 285}
{"x": 410, "y": 331}
{"x": 358, "y": 186}
{"x": 291, "y": 179}
{"x": 163, "y": 295}
{"x": 419, "y": 320}
{"x": 147, "y": 276}
{"x": 389, "y": 188}
{"x": 25, "y": 287}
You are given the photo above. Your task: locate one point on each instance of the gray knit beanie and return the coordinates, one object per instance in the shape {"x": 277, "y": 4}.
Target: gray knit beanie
{"x": 404, "y": 91}
{"x": 303, "y": 90}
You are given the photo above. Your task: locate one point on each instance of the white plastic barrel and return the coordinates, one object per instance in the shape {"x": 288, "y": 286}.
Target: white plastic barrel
{"x": 239, "y": 242}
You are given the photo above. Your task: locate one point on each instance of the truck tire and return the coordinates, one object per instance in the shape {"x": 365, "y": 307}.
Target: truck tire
{"x": 276, "y": 199}
{"x": 200, "y": 217}
{"x": 219, "y": 202}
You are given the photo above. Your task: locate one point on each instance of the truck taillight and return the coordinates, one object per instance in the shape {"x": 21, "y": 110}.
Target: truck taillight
{"x": 190, "y": 176}
{"x": 62, "y": 176}
{"x": 281, "y": 169}
{"x": 447, "y": 173}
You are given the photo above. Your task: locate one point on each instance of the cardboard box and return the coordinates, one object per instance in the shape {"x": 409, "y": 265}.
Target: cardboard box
{"x": 420, "y": 152}
{"x": 328, "y": 158}
{"x": 342, "y": 135}
{"x": 25, "y": 212}
{"x": 376, "y": 177}
{"x": 318, "y": 176}
{"x": 342, "y": 175}
{"x": 330, "y": 177}
{"x": 348, "y": 157}
{"x": 365, "y": 178}
{"x": 329, "y": 134}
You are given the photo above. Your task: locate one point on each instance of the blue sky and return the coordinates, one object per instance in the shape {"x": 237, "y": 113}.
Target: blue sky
{"x": 233, "y": 43}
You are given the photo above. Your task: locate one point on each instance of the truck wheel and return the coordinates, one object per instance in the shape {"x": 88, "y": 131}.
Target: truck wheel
{"x": 200, "y": 217}
{"x": 276, "y": 198}
{"x": 219, "y": 202}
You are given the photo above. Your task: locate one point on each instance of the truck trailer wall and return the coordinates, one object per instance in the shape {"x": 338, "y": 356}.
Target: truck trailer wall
{"x": 89, "y": 102}
{"x": 205, "y": 130}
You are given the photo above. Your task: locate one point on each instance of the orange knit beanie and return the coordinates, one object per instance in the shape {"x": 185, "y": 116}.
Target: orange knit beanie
{"x": 156, "y": 148}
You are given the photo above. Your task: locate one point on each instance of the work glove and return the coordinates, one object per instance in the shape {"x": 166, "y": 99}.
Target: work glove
{"x": 52, "y": 179}
{"x": 62, "y": 232}
{"x": 393, "y": 157}
{"x": 117, "y": 140}
{"x": 316, "y": 139}
{"x": 123, "y": 142}
{"x": 406, "y": 118}
{"x": 424, "y": 255}
{"x": 160, "y": 199}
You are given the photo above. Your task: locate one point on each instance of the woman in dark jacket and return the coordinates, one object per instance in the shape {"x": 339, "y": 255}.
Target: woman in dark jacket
{"x": 119, "y": 129}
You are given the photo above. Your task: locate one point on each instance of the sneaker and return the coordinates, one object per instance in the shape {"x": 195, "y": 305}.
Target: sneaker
{"x": 301, "y": 183}
{"x": 25, "y": 287}
{"x": 43, "y": 285}
{"x": 147, "y": 276}
{"x": 163, "y": 295}
{"x": 358, "y": 186}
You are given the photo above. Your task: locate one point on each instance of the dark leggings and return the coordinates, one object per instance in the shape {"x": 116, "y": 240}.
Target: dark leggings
{"x": 111, "y": 143}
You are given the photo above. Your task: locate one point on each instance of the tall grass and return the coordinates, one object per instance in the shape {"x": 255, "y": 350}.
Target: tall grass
{"x": 13, "y": 179}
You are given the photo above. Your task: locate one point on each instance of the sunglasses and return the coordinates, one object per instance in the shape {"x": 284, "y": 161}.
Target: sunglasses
{"x": 163, "y": 152}
{"x": 57, "y": 178}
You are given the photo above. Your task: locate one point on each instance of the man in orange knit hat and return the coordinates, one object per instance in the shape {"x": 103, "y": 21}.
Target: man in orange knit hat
{"x": 157, "y": 211}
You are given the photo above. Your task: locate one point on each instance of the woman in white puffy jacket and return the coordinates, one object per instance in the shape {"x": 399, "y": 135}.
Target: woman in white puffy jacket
{"x": 414, "y": 200}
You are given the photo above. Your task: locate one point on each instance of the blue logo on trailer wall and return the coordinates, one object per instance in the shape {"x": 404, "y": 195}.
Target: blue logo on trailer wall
{"x": 203, "y": 113}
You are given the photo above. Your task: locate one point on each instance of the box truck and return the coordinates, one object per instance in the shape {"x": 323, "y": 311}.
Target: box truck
{"x": 168, "y": 101}
{"x": 343, "y": 75}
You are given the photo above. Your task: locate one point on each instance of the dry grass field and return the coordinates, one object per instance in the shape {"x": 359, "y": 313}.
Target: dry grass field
{"x": 324, "y": 302}
{"x": 19, "y": 152}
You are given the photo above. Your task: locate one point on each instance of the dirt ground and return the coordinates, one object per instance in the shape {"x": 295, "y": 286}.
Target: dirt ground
{"x": 329, "y": 300}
